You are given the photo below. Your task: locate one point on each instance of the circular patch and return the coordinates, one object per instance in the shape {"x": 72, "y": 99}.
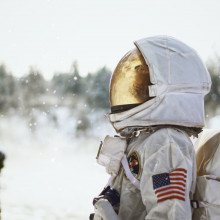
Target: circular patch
{"x": 134, "y": 164}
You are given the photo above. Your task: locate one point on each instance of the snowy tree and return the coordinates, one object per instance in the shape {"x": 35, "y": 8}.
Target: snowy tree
{"x": 69, "y": 83}
{"x": 8, "y": 97}
{"x": 98, "y": 88}
{"x": 32, "y": 87}
{"x": 212, "y": 100}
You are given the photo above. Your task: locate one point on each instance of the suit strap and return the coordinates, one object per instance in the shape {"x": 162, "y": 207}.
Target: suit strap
{"x": 128, "y": 172}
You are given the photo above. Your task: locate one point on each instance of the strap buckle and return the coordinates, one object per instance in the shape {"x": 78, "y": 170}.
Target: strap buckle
{"x": 195, "y": 204}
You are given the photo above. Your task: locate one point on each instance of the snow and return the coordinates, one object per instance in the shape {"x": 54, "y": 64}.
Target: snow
{"x": 49, "y": 173}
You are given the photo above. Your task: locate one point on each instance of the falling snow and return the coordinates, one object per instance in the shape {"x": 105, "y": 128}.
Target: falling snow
{"x": 41, "y": 178}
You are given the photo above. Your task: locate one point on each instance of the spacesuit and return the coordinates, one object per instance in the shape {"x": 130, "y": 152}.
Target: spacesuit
{"x": 157, "y": 102}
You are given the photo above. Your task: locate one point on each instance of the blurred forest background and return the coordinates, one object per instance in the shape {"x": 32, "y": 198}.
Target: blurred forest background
{"x": 31, "y": 93}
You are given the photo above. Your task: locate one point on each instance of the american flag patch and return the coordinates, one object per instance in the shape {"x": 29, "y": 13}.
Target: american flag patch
{"x": 170, "y": 185}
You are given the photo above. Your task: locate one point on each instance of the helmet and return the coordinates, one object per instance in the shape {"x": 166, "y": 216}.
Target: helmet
{"x": 129, "y": 82}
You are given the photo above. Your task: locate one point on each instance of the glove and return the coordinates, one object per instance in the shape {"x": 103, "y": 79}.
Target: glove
{"x": 97, "y": 217}
{"x": 105, "y": 211}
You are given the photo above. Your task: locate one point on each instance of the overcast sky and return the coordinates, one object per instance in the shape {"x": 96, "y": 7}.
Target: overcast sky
{"x": 51, "y": 34}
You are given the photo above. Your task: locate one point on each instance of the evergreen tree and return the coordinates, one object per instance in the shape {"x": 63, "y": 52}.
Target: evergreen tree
{"x": 69, "y": 83}
{"x": 212, "y": 100}
{"x": 8, "y": 97}
{"x": 98, "y": 88}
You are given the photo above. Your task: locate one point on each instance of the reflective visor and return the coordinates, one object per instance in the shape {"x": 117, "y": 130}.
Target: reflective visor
{"x": 129, "y": 82}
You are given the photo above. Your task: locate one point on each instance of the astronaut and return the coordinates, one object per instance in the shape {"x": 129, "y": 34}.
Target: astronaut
{"x": 157, "y": 102}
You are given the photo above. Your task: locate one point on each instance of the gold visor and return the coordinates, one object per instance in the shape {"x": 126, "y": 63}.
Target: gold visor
{"x": 129, "y": 82}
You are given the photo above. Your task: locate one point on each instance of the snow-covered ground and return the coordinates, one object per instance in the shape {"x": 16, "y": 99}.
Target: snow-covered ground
{"x": 50, "y": 172}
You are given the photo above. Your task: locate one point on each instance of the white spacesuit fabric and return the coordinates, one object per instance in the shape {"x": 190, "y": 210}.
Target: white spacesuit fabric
{"x": 110, "y": 154}
{"x": 104, "y": 210}
{"x": 158, "y": 155}
{"x": 163, "y": 160}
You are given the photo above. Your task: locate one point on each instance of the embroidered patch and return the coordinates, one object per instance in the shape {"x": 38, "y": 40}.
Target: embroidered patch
{"x": 170, "y": 185}
{"x": 134, "y": 164}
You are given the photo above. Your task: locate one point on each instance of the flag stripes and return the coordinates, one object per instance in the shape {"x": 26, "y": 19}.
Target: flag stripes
{"x": 170, "y": 185}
